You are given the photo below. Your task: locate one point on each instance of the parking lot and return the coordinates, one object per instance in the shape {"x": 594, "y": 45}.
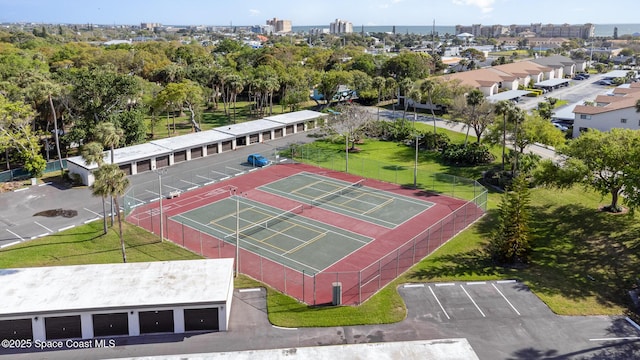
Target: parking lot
{"x": 505, "y": 320}
{"x": 475, "y": 300}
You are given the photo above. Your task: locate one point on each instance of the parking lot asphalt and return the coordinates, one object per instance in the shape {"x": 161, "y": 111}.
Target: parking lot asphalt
{"x": 500, "y": 319}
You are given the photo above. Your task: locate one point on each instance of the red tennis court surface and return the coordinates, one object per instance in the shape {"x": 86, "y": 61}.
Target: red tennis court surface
{"x": 360, "y": 274}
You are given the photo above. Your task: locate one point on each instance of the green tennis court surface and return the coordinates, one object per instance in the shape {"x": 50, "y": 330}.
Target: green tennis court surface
{"x": 285, "y": 237}
{"x": 350, "y": 199}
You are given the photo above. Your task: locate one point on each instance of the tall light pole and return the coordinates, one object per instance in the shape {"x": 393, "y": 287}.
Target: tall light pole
{"x": 161, "y": 172}
{"x": 415, "y": 165}
{"x": 234, "y": 192}
{"x": 346, "y": 151}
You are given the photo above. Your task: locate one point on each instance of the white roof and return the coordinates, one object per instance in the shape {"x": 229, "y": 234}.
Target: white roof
{"x": 192, "y": 140}
{"x": 125, "y": 155}
{"x": 441, "y": 349}
{"x": 551, "y": 82}
{"x": 507, "y": 95}
{"x": 296, "y": 117}
{"x": 616, "y": 74}
{"x": 130, "y": 285}
{"x": 249, "y": 127}
{"x": 566, "y": 112}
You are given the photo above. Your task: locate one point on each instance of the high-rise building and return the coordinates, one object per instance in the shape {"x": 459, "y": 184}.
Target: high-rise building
{"x": 341, "y": 27}
{"x": 280, "y": 26}
{"x": 584, "y": 31}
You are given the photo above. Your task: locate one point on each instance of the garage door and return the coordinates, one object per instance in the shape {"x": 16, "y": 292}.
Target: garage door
{"x": 156, "y": 321}
{"x": 196, "y": 152}
{"x": 162, "y": 161}
{"x": 180, "y": 156}
{"x": 300, "y": 127}
{"x": 201, "y": 319}
{"x": 254, "y": 138}
{"x": 126, "y": 168}
{"x": 277, "y": 133}
{"x": 227, "y": 146}
{"x": 266, "y": 135}
{"x": 144, "y": 165}
{"x": 110, "y": 324}
{"x": 63, "y": 327}
{"x": 289, "y": 129}
{"x": 212, "y": 149}
{"x": 19, "y": 329}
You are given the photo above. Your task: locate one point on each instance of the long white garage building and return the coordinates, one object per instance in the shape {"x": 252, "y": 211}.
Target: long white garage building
{"x": 89, "y": 301}
{"x": 161, "y": 153}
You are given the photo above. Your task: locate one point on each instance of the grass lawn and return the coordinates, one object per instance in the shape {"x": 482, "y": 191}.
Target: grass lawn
{"x": 164, "y": 126}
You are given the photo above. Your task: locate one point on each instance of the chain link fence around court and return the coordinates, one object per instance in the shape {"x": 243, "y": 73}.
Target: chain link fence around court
{"x": 451, "y": 185}
{"x": 315, "y": 289}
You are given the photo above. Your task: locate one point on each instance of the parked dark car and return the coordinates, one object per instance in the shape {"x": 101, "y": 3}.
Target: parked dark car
{"x": 257, "y": 160}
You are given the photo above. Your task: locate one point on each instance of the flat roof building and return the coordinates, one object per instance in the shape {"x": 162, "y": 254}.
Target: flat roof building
{"x": 88, "y": 301}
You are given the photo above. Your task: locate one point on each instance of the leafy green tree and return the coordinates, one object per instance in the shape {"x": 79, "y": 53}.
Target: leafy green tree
{"x": 410, "y": 65}
{"x": 607, "y": 162}
{"x": 113, "y": 182}
{"x": 16, "y": 133}
{"x": 535, "y": 129}
{"x": 510, "y": 241}
{"x": 98, "y": 94}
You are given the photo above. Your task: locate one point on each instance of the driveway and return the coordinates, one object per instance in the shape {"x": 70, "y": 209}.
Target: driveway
{"x": 501, "y": 320}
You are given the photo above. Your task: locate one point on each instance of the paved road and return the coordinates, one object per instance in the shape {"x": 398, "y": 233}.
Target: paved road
{"x": 501, "y": 320}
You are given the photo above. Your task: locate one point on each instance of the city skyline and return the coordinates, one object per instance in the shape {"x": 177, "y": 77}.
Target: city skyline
{"x": 358, "y": 12}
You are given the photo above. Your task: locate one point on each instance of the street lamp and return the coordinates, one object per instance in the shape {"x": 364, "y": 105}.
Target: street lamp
{"x": 415, "y": 165}
{"x": 234, "y": 192}
{"x": 160, "y": 172}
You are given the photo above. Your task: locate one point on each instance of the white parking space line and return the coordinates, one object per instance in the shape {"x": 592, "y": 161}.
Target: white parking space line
{"x": 473, "y": 301}
{"x": 439, "y": 303}
{"x": 14, "y": 234}
{"x": 93, "y": 212}
{"x": 445, "y": 284}
{"x": 67, "y": 228}
{"x": 39, "y": 236}
{"x": 44, "y": 227}
{"x": 505, "y": 299}
{"x": 413, "y": 285}
{"x": 633, "y": 323}
{"x": 21, "y": 189}
{"x": 45, "y": 184}
{"x": 189, "y": 182}
{"x": 9, "y": 244}
{"x": 477, "y": 283}
{"x": 506, "y": 281}
{"x": 249, "y": 290}
{"x": 92, "y": 220}
{"x": 617, "y": 339}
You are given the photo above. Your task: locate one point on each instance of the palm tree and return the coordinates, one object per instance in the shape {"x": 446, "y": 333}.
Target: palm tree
{"x": 92, "y": 153}
{"x": 416, "y": 96}
{"x": 504, "y": 108}
{"x": 391, "y": 85}
{"x": 378, "y": 83}
{"x": 428, "y": 86}
{"x": 517, "y": 116}
{"x": 113, "y": 182}
{"x": 474, "y": 99}
{"x": 109, "y": 135}
{"x": 405, "y": 85}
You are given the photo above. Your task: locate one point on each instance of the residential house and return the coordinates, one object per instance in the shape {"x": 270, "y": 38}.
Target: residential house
{"x": 562, "y": 65}
{"x": 616, "y": 110}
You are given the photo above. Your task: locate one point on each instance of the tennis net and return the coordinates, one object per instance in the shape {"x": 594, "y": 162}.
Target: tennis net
{"x": 266, "y": 224}
{"x": 334, "y": 194}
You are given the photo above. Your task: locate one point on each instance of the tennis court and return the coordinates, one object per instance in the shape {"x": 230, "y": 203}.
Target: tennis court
{"x": 282, "y": 236}
{"x": 352, "y": 199}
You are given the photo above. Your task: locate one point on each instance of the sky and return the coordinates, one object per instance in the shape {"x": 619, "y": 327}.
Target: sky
{"x": 320, "y": 12}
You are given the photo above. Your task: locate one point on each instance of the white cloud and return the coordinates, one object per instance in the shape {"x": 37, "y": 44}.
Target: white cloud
{"x": 254, "y": 12}
{"x": 486, "y": 6}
